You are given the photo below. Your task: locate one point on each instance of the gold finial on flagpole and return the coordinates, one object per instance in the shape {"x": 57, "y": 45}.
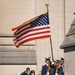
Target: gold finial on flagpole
{"x": 47, "y": 6}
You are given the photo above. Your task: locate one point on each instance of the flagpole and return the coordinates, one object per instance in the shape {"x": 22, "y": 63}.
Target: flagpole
{"x": 50, "y": 38}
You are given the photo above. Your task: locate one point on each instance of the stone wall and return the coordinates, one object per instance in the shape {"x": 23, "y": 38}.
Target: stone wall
{"x": 69, "y": 56}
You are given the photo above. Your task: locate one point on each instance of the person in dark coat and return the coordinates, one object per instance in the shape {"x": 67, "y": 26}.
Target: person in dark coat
{"x": 61, "y": 67}
{"x": 53, "y": 67}
{"x": 56, "y": 66}
{"x": 26, "y": 72}
{"x": 46, "y": 67}
{"x": 60, "y": 71}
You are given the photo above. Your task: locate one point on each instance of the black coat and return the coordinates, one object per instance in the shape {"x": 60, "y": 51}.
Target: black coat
{"x": 44, "y": 70}
{"x": 60, "y": 71}
{"x": 53, "y": 69}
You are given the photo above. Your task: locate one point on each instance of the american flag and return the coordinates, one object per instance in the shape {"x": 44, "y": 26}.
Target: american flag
{"x": 36, "y": 28}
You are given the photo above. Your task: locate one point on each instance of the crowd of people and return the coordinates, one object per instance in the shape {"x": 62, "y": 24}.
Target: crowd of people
{"x": 50, "y": 68}
{"x": 28, "y": 72}
{"x": 53, "y": 68}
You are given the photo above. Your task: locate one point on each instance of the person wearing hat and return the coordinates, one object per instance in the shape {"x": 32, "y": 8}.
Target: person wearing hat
{"x": 62, "y": 62}
{"x": 46, "y": 67}
{"x": 61, "y": 67}
{"x": 53, "y": 67}
{"x": 57, "y": 67}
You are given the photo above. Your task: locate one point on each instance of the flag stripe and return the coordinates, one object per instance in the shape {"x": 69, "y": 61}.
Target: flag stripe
{"x": 22, "y": 29}
{"x": 36, "y": 35}
{"x": 30, "y": 39}
{"x": 26, "y": 27}
{"x": 46, "y": 28}
{"x": 45, "y": 34}
{"x": 22, "y": 25}
{"x": 33, "y": 34}
{"x": 23, "y": 32}
{"x": 35, "y": 28}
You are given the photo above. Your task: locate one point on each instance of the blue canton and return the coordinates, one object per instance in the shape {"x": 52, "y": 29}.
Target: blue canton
{"x": 40, "y": 21}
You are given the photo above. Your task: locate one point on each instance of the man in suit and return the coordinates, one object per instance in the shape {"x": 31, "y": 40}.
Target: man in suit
{"x": 57, "y": 67}
{"x": 26, "y": 72}
{"x": 61, "y": 67}
{"x": 46, "y": 67}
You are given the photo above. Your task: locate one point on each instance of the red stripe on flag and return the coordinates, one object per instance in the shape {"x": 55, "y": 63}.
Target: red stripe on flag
{"x": 13, "y": 29}
{"x": 30, "y": 39}
{"x": 33, "y": 34}
{"x": 22, "y": 25}
{"x": 30, "y": 30}
{"x": 24, "y": 28}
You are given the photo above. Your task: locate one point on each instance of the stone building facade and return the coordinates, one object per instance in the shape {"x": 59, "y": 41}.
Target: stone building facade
{"x": 69, "y": 50}
{"x": 15, "y": 12}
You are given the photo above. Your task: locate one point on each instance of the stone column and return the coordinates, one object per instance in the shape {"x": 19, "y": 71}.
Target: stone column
{"x": 69, "y": 50}
{"x": 56, "y": 15}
